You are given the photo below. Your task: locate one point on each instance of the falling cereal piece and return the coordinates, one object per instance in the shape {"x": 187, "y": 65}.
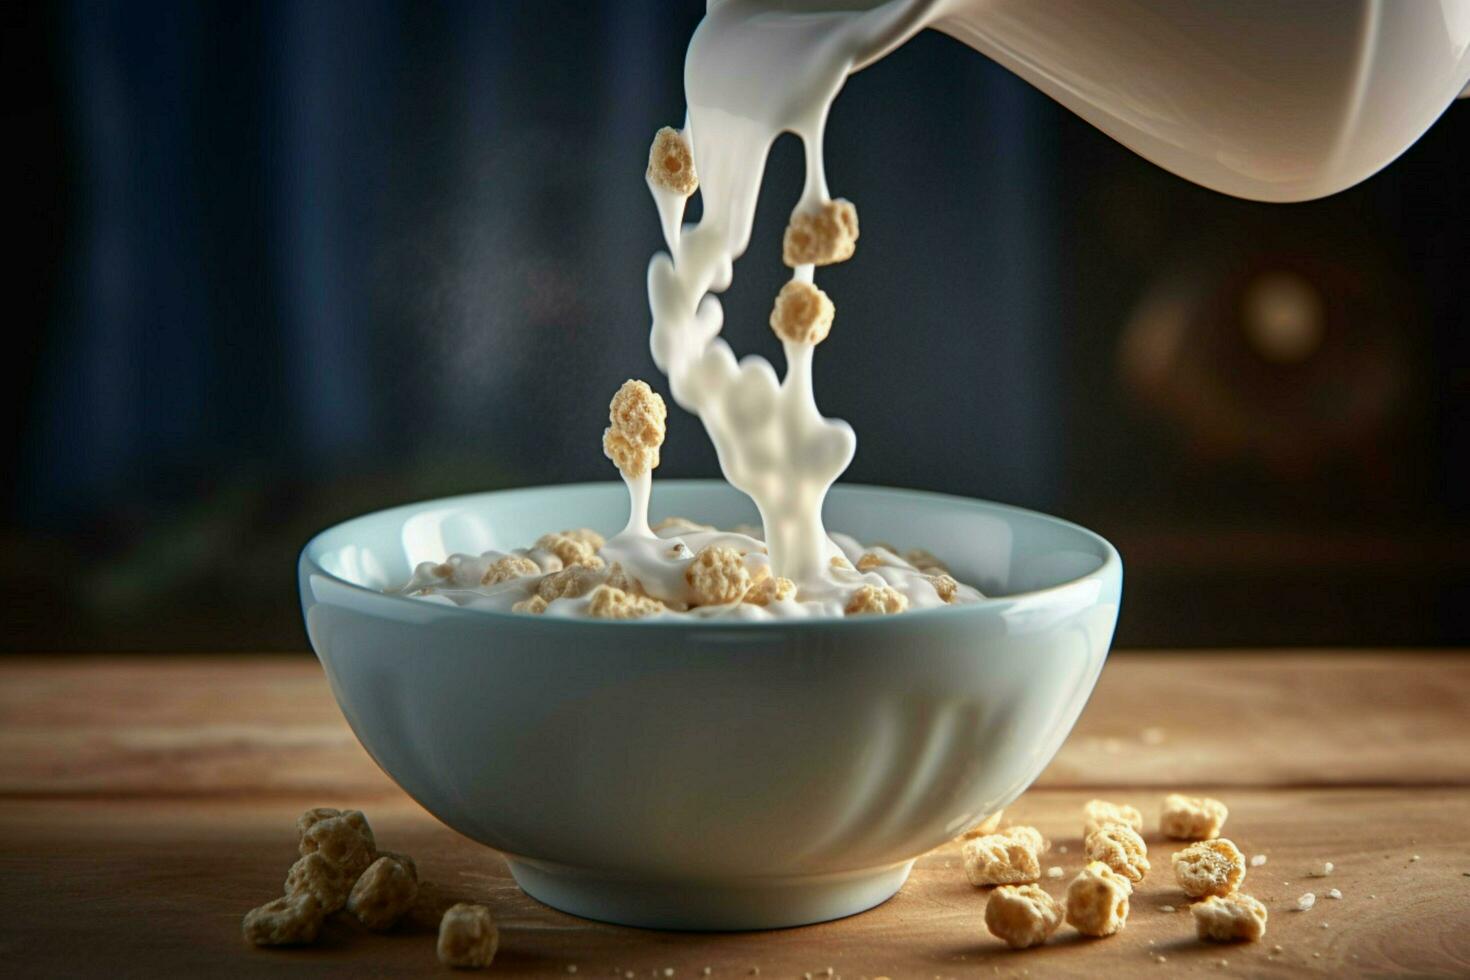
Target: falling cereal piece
{"x": 822, "y": 236}
{"x": 638, "y": 421}
{"x": 803, "y": 314}
{"x": 671, "y": 163}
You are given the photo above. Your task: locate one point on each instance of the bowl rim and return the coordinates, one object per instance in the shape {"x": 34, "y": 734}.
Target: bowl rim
{"x": 1111, "y": 567}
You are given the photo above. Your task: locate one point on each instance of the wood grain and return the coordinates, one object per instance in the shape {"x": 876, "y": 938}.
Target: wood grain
{"x": 143, "y": 887}
{"x": 146, "y": 804}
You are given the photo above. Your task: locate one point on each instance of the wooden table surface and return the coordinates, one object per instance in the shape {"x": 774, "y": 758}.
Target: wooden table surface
{"x": 146, "y": 803}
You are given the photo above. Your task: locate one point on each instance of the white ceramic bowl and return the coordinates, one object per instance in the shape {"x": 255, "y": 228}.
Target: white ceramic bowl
{"x": 707, "y": 775}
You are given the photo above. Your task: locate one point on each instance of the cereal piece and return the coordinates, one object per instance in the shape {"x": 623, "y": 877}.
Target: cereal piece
{"x": 638, "y": 420}
{"x": 409, "y": 864}
{"x": 639, "y": 412}
{"x": 945, "y": 586}
{"x": 1211, "y": 867}
{"x": 840, "y": 561}
{"x": 1120, "y": 848}
{"x": 570, "y": 583}
{"x": 319, "y": 878}
{"x": 717, "y": 575}
{"x": 1000, "y": 860}
{"x": 509, "y": 567}
{"x": 610, "y": 603}
{"x": 346, "y": 841}
{"x": 876, "y": 599}
{"x": 467, "y": 936}
{"x": 1029, "y": 836}
{"x": 383, "y": 894}
{"x": 1192, "y": 817}
{"x": 571, "y": 550}
{"x": 1097, "y": 900}
{"x": 291, "y": 920}
{"x": 587, "y": 536}
{"x": 1022, "y": 915}
{"x": 1099, "y": 813}
{"x": 1230, "y": 919}
{"x": 821, "y": 237}
{"x": 771, "y": 588}
{"x": 535, "y": 605}
{"x": 925, "y": 562}
{"x": 802, "y": 313}
{"x": 985, "y": 827}
{"x": 311, "y": 817}
{"x": 671, "y": 162}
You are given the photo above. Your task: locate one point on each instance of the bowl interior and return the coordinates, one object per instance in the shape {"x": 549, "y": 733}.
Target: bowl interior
{"x": 1001, "y": 550}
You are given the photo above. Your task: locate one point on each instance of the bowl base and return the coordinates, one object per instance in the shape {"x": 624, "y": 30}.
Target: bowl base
{"x": 717, "y": 906}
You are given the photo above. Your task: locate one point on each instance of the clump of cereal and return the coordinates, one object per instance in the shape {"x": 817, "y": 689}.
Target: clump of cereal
{"x": 1100, "y": 813}
{"x": 610, "y": 603}
{"x": 383, "y": 894}
{"x": 1192, "y": 817}
{"x": 346, "y": 841}
{"x": 1229, "y": 919}
{"x": 880, "y": 599}
{"x": 509, "y": 567}
{"x": 572, "y": 549}
{"x": 467, "y": 936}
{"x": 717, "y": 575}
{"x": 802, "y": 313}
{"x": 1120, "y": 848}
{"x": 821, "y": 237}
{"x": 638, "y": 420}
{"x": 570, "y": 583}
{"x": 1022, "y": 915}
{"x": 1211, "y": 867}
{"x": 985, "y": 827}
{"x": 945, "y": 586}
{"x": 671, "y": 162}
{"x": 998, "y": 859}
{"x": 771, "y": 588}
{"x": 535, "y": 605}
{"x": 319, "y": 878}
{"x": 292, "y": 920}
{"x": 1097, "y": 900}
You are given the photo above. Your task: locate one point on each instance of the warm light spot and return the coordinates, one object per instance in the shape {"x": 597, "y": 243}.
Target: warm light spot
{"x": 1283, "y": 317}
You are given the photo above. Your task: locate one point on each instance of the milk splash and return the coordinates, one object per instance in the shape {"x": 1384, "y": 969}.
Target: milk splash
{"x": 753, "y": 71}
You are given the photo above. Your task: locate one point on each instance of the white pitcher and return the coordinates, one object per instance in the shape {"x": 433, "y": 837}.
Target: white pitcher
{"x": 1276, "y": 100}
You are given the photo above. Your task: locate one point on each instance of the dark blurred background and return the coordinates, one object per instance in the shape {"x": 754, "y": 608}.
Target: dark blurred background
{"x": 276, "y": 264}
